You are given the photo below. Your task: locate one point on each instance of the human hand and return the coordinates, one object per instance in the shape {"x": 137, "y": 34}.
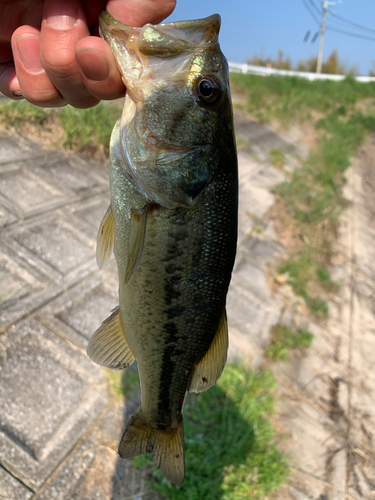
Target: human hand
{"x": 47, "y": 54}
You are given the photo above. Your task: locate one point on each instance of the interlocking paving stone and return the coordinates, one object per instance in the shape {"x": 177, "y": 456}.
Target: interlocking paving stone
{"x": 262, "y": 250}
{"x": 78, "y": 313}
{"x": 18, "y": 148}
{"x": 94, "y": 470}
{"x": 251, "y": 275}
{"x": 255, "y": 200}
{"x": 250, "y": 315}
{"x": 11, "y": 488}
{"x": 53, "y": 245}
{"x": 6, "y": 217}
{"x": 91, "y": 212}
{"x": 76, "y": 177}
{"x": 49, "y": 394}
{"x": 258, "y": 134}
{"x": 23, "y": 289}
{"x": 26, "y": 193}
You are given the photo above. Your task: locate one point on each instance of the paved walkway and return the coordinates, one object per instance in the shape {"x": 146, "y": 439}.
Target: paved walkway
{"x": 58, "y": 425}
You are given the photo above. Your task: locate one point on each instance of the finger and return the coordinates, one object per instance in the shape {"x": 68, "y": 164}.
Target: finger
{"x": 5, "y": 52}
{"x": 62, "y": 27}
{"x": 98, "y": 68}
{"x": 9, "y": 84}
{"x": 34, "y": 82}
{"x": 97, "y": 64}
{"x": 140, "y": 12}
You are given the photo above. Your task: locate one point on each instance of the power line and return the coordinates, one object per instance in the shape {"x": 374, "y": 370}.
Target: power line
{"x": 342, "y": 19}
{"x": 350, "y": 34}
{"x": 313, "y": 4}
{"x": 311, "y": 12}
{"x": 343, "y": 32}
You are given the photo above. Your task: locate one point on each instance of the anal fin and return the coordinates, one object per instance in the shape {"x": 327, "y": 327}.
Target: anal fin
{"x": 167, "y": 447}
{"x": 108, "y": 346}
{"x": 138, "y": 221}
{"x": 209, "y": 368}
{"x": 106, "y": 238}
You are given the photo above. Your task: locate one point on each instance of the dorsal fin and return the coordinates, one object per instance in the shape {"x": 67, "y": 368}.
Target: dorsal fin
{"x": 106, "y": 238}
{"x": 209, "y": 368}
{"x": 108, "y": 346}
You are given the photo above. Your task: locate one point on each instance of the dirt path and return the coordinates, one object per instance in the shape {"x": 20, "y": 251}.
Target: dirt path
{"x": 327, "y": 393}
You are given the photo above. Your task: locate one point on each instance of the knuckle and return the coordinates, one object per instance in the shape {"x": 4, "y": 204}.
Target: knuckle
{"x": 47, "y": 98}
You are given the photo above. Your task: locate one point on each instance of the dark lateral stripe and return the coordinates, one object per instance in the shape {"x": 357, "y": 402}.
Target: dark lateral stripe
{"x": 167, "y": 369}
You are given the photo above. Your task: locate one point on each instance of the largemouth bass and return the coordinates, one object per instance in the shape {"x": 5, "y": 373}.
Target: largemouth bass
{"x": 172, "y": 224}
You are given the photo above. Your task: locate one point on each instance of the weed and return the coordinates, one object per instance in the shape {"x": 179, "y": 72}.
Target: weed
{"x": 83, "y": 130}
{"x": 277, "y": 157}
{"x": 14, "y": 114}
{"x": 230, "y": 445}
{"x": 88, "y": 129}
{"x": 257, "y": 229}
{"x": 284, "y": 339}
{"x": 114, "y": 379}
{"x": 290, "y": 98}
{"x": 123, "y": 384}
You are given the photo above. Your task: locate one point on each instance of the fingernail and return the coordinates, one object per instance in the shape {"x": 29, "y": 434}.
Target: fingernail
{"x": 93, "y": 64}
{"x": 29, "y": 51}
{"x": 61, "y": 15}
{"x": 18, "y": 95}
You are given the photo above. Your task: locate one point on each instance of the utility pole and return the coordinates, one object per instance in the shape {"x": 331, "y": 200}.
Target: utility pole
{"x": 322, "y": 32}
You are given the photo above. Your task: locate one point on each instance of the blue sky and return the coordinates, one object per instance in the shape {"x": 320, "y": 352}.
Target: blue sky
{"x": 263, "y": 26}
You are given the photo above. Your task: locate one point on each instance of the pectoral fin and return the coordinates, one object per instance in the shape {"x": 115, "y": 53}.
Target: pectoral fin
{"x": 108, "y": 346}
{"x": 138, "y": 221}
{"x": 209, "y": 368}
{"x": 106, "y": 238}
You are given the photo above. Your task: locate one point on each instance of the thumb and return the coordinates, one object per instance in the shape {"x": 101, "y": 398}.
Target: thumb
{"x": 139, "y": 12}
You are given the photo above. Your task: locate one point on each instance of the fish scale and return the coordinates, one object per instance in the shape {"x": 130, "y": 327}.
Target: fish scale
{"x": 172, "y": 225}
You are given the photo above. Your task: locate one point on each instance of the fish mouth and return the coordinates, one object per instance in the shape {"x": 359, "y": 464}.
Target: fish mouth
{"x": 165, "y": 39}
{"x": 134, "y": 47}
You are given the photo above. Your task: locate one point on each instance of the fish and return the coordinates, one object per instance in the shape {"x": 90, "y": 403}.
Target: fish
{"x": 171, "y": 224}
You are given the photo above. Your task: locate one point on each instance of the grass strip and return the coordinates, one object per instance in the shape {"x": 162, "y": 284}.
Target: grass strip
{"x": 290, "y": 99}
{"x": 313, "y": 197}
{"x": 231, "y": 450}
{"x": 80, "y": 130}
{"x": 312, "y": 194}
{"x": 284, "y": 340}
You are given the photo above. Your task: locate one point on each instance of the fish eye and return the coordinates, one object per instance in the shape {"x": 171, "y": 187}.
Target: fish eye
{"x": 208, "y": 90}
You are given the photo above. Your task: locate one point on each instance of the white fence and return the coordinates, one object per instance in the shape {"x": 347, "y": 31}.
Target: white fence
{"x": 263, "y": 71}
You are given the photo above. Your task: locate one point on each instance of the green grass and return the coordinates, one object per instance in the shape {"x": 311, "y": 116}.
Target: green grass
{"x": 277, "y": 157}
{"x": 313, "y": 193}
{"x": 284, "y": 340}
{"x": 231, "y": 451}
{"x": 122, "y": 384}
{"x": 288, "y": 99}
{"x": 313, "y": 197}
{"x": 81, "y": 130}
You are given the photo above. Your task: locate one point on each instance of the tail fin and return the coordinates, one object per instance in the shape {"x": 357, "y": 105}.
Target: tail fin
{"x": 167, "y": 447}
